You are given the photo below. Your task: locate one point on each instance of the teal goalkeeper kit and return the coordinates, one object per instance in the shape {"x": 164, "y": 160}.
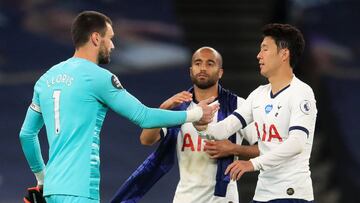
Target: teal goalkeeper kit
{"x": 72, "y": 99}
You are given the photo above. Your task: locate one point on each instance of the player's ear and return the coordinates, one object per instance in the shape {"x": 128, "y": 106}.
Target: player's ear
{"x": 285, "y": 54}
{"x": 95, "y": 38}
{"x": 221, "y": 72}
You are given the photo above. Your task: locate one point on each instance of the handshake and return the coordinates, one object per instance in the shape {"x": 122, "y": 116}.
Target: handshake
{"x": 201, "y": 115}
{"x": 209, "y": 109}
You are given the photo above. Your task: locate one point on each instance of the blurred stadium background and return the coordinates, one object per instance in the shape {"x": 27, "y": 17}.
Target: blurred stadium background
{"x": 154, "y": 42}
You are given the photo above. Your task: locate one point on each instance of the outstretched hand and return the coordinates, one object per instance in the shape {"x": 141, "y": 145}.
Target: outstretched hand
{"x": 176, "y": 100}
{"x": 208, "y": 111}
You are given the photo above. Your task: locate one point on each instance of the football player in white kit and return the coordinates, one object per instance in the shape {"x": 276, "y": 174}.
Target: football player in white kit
{"x": 198, "y": 170}
{"x": 284, "y": 112}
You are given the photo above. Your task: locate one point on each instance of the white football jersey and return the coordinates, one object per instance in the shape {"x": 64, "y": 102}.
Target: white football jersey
{"x": 285, "y": 124}
{"x": 198, "y": 170}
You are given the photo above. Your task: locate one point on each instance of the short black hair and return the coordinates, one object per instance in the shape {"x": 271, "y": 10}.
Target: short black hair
{"x": 86, "y": 23}
{"x": 286, "y": 36}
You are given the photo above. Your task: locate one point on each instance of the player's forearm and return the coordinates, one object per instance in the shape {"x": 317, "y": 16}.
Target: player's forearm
{"x": 31, "y": 149}
{"x": 155, "y": 118}
{"x": 246, "y": 152}
{"x": 30, "y": 142}
{"x": 223, "y": 129}
{"x": 128, "y": 106}
{"x": 150, "y": 136}
{"x": 290, "y": 148}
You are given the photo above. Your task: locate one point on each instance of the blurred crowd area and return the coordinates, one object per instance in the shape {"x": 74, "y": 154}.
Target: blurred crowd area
{"x": 38, "y": 33}
{"x": 332, "y": 66}
{"x": 153, "y": 45}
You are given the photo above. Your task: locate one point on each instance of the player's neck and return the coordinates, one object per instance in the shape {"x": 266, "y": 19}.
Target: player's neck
{"x": 85, "y": 53}
{"x": 201, "y": 94}
{"x": 280, "y": 80}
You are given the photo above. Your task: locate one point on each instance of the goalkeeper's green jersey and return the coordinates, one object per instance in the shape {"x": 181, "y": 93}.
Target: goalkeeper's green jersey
{"x": 72, "y": 99}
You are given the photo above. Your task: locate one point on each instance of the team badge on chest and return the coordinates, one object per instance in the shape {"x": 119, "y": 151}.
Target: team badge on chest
{"x": 278, "y": 109}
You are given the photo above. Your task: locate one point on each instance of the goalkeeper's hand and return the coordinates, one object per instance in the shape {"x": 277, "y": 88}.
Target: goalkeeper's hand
{"x": 34, "y": 195}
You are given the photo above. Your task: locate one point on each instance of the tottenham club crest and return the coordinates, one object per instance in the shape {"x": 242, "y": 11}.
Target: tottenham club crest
{"x": 305, "y": 107}
{"x": 116, "y": 82}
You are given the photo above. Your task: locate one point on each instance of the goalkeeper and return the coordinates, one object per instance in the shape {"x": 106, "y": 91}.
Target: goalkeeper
{"x": 72, "y": 99}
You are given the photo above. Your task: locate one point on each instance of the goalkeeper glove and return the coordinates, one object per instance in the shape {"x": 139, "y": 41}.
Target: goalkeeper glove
{"x": 34, "y": 195}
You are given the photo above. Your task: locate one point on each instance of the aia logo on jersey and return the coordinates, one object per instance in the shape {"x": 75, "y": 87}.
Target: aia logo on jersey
{"x": 188, "y": 143}
{"x": 305, "y": 107}
{"x": 268, "y": 133}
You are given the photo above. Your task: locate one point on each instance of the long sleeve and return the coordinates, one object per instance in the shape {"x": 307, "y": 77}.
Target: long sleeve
{"x": 29, "y": 140}
{"x": 128, "y": 106}
{"x": 249, "y": 133}
{"x": 224, "y": 129}
{"x": 292, "y": 146}
{"x": 108, "y": 90}
{"x": 239, "y": 119}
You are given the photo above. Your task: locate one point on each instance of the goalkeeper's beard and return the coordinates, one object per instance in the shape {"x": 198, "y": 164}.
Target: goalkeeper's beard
{"x": 104, "y": 55}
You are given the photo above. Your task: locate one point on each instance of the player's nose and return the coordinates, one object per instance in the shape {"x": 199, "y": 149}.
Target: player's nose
{"x": 258, "y": 56}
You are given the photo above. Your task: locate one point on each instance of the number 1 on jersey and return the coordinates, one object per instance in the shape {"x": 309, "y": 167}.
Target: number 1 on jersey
{"x": 56, "y": 97}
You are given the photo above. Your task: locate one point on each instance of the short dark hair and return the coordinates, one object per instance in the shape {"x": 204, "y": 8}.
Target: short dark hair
{"x": 86, "y": 23}
{"x": 286, "y": 36}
